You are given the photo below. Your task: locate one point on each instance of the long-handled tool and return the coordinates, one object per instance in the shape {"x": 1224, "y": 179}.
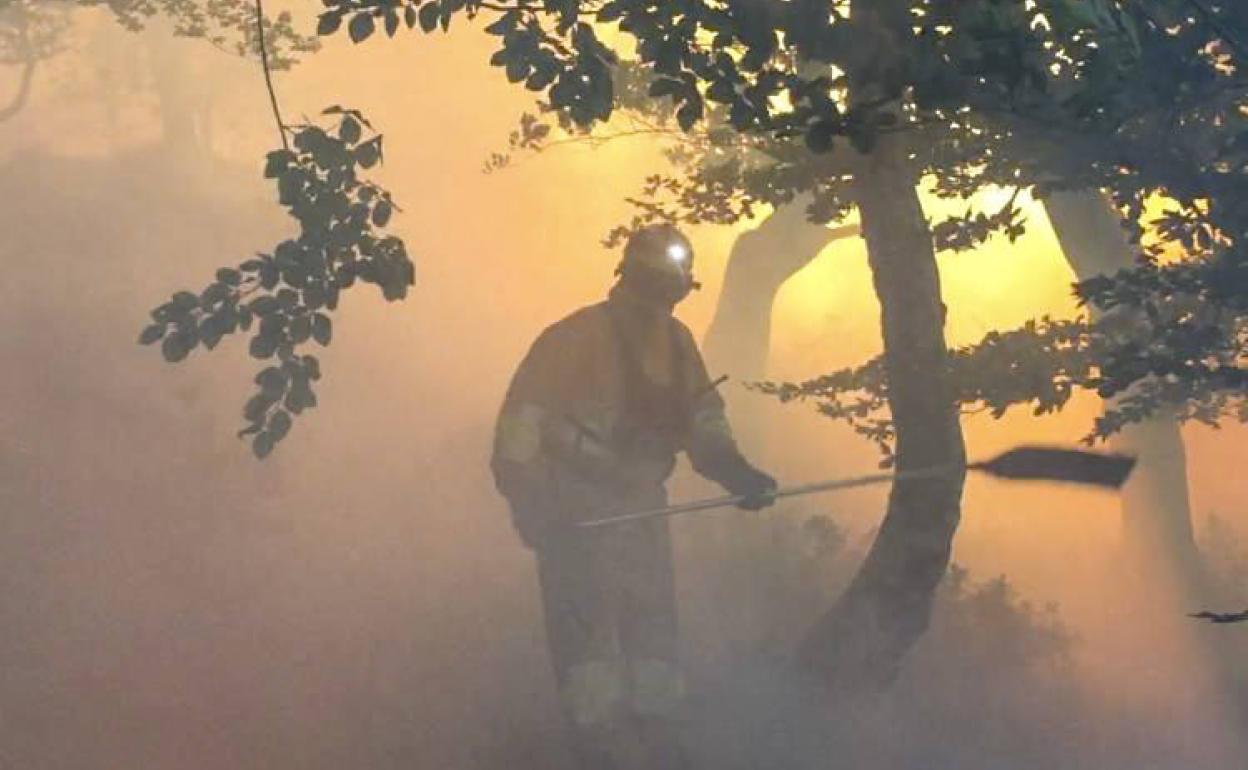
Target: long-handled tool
{"x": 1029, "y": 463}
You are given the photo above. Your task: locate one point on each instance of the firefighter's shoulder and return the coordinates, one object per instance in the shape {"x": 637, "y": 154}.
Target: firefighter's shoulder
{"x": 684, "y": 334}
{"x": 574, "y": 326}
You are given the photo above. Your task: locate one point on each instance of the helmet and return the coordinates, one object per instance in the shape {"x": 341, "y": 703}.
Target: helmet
{"x": 658, "y": 263}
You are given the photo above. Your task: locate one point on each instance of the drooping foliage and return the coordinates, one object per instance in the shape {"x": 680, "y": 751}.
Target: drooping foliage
{"x": 289, "y": 294}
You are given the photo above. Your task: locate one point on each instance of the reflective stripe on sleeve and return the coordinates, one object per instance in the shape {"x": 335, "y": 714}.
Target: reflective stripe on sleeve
{"x": 519, "y": 436}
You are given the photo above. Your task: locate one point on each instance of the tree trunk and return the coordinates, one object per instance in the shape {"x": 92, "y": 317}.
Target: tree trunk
{"x": 30, "y": 60}
{"x": 1155, "y": 503}
{"x": 762, "y": 260}
{"x": 23, "y": 91}
{"x": 181, "y": 96}
{"x": 748, "y": 563}
{"x": 860, "y": 643}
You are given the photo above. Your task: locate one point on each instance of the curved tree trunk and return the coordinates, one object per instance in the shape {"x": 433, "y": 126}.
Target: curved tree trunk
{"x": 860, "y": 643}
{"x": 23, "y": 91}
{"x": 749, "y": 566}
{"x": 1156, "y": 505}
{"x": 762, "y": 260}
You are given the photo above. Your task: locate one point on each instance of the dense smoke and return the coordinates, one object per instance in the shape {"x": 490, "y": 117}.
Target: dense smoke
{"x": 359, "y": 599}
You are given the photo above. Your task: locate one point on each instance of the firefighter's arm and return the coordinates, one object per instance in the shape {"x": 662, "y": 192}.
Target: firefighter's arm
{"x": 520, "y": 469}
{"x": 711, "y": 446}
{"x": 519, "y": 461}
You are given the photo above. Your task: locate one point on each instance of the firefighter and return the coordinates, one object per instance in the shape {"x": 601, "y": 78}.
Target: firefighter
{"x": 596, "y": 413}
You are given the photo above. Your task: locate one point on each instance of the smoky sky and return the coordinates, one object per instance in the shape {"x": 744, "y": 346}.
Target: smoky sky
{"x": 359, "y": 598}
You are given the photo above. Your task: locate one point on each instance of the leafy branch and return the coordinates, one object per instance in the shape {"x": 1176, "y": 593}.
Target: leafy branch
{"x": 288, "y": 295}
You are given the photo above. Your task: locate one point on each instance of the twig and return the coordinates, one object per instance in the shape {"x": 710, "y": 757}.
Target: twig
{"x": 268, "y": 76}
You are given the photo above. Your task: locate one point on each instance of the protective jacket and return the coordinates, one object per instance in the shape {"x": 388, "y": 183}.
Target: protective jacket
{"x": 597, "y": 412}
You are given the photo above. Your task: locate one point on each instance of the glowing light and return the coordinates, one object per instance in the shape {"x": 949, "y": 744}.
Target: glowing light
{"x": 677, "y": 252}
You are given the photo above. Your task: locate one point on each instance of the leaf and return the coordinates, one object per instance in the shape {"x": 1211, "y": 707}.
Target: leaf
{"x": 665, "y": 87}
{"x": 262, "y": 444}
{"x": 322, "y": 330}
{"x": 361, "y": 27}
{"x": 279, "y": 425}
{"x": 820, "y": 135}
{"x": 272, "y": 382}
{"x": 277, "y": 162}
{"x": 381, "y": 213}
{"x": 689, "y": 114}
{"x": 313, "y": 296}
{"x": 176, "y": 347}
{"x": 369, "y": 153}
{"x": 265, "y": 305}
{"x": 517, "y": 69}
{"x": 256, "y": 408}
{"x": 214, "y": 294}
{"x": 290, "y": 186}
{"x": 211, "y": 331}
{"x": 328, "y": 23}
{"x": 349, "y": 130}
{"x": 263, "y": 346}
{"x": 429, "y": 16}
{"x": 255, "y": 427}
{"x": 300, "y": 397}
{"x": 184, "y": 300}
{"x": 409, "y": 16}
{"x": 300, "y": 329}
{"x": 504, "y": 24}
{"x": 151, "y": 334}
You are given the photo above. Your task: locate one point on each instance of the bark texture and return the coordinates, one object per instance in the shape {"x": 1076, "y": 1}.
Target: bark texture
{"x": 860, "y": 643}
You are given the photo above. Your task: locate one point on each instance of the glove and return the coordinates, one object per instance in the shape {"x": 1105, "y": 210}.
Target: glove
{"x": 757, "y": 487}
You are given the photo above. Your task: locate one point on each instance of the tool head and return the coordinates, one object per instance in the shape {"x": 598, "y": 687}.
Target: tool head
{"x": 1073, "y": 466}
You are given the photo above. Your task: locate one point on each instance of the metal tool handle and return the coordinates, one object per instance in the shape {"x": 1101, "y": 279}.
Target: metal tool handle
{"x": 802, "y": 489}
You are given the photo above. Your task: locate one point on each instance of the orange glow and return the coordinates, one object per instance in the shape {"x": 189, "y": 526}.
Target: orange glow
{"x": 370, "y": 561}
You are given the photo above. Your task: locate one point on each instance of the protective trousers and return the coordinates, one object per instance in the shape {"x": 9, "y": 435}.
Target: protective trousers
{"x": 610, "y": 608}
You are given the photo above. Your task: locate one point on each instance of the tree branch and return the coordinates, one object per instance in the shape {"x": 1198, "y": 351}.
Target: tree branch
{"x": 268, "y": 75}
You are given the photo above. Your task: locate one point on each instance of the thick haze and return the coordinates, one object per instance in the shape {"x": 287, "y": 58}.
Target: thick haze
{"x": 359, "y": 599}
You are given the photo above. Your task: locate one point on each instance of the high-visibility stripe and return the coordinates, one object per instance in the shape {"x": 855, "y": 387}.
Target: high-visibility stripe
{"x": 519, "y": 434}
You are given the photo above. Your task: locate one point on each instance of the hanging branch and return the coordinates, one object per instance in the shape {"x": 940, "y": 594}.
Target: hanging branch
{"x": 268, "y": 75}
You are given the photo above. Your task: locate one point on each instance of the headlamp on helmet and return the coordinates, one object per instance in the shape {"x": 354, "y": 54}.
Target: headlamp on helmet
{"x": 658, "y": 262}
